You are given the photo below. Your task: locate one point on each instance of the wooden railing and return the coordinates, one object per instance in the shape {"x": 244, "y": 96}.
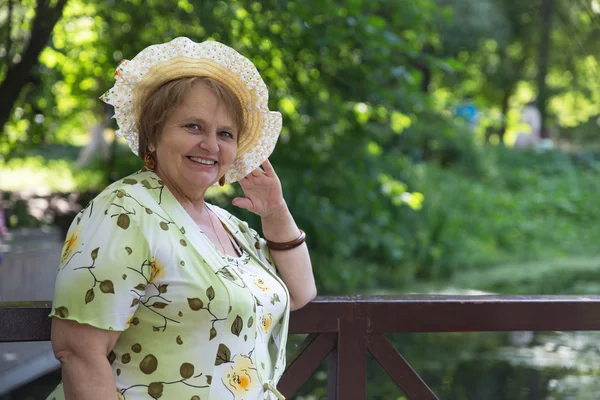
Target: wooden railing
{"x": 345, "y": 329}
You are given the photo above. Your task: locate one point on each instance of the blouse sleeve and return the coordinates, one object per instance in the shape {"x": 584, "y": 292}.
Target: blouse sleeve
{"x": 104, "y": 265}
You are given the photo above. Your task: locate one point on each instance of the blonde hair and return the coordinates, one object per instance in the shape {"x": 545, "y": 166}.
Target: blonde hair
{"x": 164, "y": 99}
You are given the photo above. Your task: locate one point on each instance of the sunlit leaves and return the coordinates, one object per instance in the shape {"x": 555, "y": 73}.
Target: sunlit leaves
{"x": 288, "y": 105}
{"x": 362, "y": 112}
{"x": 399, "y": 122}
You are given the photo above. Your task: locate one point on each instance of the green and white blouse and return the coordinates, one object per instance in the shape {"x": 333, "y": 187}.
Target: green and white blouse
{"x": 196, "y": 323}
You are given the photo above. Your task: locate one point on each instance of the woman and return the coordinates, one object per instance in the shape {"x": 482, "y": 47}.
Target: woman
{"x": 160, "y": 294}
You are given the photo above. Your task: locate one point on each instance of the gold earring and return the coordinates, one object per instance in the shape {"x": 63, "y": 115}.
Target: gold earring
{"x": 149, "y": 161}
{"x": 222, "y": 181}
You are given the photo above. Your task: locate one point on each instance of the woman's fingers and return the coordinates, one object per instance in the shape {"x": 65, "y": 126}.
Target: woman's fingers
{"x": 258, "y": 172}
{"x": 268, "y": 167}
{"x": 243, "y": 202}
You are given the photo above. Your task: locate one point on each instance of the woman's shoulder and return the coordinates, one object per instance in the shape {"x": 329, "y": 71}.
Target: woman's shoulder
{"x": 134, "y": 186}
{"x": 130, "y": 198}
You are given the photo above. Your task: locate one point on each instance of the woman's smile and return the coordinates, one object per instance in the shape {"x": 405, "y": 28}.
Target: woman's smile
{"x": 203, "y": 161}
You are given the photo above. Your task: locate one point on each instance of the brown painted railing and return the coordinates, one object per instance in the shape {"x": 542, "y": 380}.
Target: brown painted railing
{"x": 344, "y": 329}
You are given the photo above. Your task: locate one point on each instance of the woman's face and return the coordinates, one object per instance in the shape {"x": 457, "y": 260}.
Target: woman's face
{"x": 198, "y": 143}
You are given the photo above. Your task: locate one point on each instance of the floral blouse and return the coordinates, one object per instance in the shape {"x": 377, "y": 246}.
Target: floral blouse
{"x": 196, "y": 323}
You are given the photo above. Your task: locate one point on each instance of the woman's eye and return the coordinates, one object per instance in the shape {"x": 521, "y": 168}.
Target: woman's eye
{"x": 226, "y": 134}
{"x": 194, "y": 127}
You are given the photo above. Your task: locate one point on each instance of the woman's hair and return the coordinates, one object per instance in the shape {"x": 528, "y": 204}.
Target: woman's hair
{"x": 162, "y": 101}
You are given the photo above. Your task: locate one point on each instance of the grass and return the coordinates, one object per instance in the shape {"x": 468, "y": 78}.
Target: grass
{"x": 43, "y": 176}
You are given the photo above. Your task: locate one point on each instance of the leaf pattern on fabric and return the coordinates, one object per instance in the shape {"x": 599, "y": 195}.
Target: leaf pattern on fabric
{"x": 89, "y": 295}
{"x": 186, "y": 370}
{"x": 155, "y": 390}
{"x": 151, "y": 302}
{"x": 223, "y": 355}
{"x": 149, "y": 364}
{"x": 210, "y": 293}
{"x": 62, "y": 312}
{"x": 237, "y": 326}
{"x": 123, "y": 221}
{"x": 107, "y": 287}
{"x": 195, "y": 304}
{"x": 275, "y": 298}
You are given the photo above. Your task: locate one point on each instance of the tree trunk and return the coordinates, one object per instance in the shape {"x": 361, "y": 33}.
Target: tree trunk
{"x": 17, "y": 75}
{"x": 97, "y": 142}
{"x": 544, "y": 59}
{"x": 8, "y": 47}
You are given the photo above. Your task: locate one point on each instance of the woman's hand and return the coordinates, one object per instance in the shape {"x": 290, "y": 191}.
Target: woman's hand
{"x": 262, "y": 188}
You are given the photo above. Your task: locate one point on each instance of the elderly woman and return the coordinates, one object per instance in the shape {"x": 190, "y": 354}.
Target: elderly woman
{"x": 160, "y": 294}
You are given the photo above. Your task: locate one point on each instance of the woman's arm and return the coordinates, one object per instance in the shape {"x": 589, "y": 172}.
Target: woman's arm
{"x": 82, "y": 351}
{"x": 293, "y": 265}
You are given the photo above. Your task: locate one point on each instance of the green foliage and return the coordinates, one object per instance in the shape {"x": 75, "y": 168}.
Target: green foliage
{"x": 530, "y": 207}
{"x": 389, "y": 186}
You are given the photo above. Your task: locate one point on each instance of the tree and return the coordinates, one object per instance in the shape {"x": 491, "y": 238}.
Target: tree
{"x": 22, "y": 49}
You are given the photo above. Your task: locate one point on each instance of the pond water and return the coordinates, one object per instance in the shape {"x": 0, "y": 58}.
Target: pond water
{"x": 488, "y": 366}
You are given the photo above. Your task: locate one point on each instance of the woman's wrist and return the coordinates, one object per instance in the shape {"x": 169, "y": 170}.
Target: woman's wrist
{"x": 292, "y": 244}
{"x": 280, "y": 226}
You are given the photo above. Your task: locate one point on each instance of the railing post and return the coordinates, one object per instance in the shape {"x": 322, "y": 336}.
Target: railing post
{"x": 348, "y": 362}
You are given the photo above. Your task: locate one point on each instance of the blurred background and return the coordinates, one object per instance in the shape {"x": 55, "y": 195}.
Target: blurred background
{"x": 429, "y": 146}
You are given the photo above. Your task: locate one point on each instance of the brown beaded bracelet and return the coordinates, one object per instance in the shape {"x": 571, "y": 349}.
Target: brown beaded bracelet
{"x": 287, "y": 245}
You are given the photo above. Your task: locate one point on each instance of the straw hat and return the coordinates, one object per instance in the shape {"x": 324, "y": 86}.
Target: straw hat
{"x": 179, "y": 58}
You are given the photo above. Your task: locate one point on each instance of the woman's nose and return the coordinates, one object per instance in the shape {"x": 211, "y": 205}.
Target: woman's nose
{"x": 209, "y": 143}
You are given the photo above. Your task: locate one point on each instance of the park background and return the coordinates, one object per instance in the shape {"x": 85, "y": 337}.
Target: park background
{"x": 397, "y": 194}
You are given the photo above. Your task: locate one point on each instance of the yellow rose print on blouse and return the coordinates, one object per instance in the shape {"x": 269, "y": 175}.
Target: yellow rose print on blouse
{"x": 132, "y": 320}
{"x": 71, "y": 244}
{"x": 240, "y": 376}
{"x": 266, "y": 321}
{"x": 157, "y": 271}
{"x": 259, "y": 283}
